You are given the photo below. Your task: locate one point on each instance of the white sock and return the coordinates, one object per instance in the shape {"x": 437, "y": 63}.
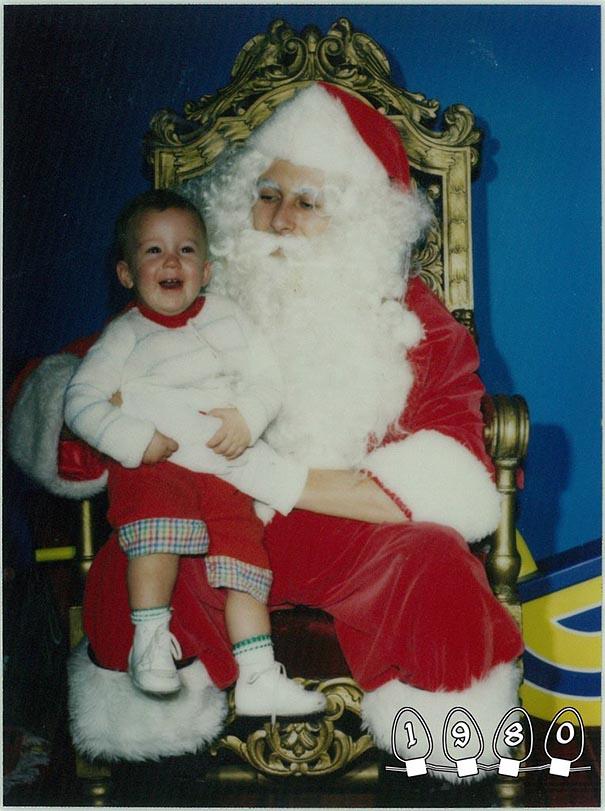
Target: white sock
{"x": 145, "y": 621}
{"x": 253, "y": 655}
{"x": 142, "y": 615}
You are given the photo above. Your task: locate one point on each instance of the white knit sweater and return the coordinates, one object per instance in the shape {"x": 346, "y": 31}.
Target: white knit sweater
{"x": 217, "y": 359}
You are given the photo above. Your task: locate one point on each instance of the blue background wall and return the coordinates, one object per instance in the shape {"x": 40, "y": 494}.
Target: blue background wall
{"x": 84, "y": 81}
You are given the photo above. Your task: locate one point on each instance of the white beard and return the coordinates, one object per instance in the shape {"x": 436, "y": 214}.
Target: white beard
{"x": 332, "y": 312}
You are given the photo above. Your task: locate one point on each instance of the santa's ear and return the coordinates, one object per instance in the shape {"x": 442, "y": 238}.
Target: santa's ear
{"x": 125, "y": 274}
{"x": 206, "y": 272}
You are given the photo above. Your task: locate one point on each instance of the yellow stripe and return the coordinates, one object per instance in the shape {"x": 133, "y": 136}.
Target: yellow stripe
{"x": 528, "y": 565}
{"x": 561, "y": 646}
{"x": 55, "y": 553}
{"x": 544, "y": 704}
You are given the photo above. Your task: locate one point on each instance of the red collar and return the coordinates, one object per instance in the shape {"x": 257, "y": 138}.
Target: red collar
{"x": 171, "y": 321}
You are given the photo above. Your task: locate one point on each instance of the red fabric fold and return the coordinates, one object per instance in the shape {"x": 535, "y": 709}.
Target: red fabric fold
{"x": 78, "y": 462}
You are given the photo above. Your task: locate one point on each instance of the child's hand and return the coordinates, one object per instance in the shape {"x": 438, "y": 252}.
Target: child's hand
{"x": 233, "y": 437}
{"x": 159, "y": 449}
{"x": 116, "y": 398}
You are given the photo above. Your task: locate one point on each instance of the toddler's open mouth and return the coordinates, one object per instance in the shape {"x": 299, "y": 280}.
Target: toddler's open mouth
{"x": 171, "y": 284}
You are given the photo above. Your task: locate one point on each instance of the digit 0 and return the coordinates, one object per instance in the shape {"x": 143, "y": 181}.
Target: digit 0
{"x": 461, "y": 733}
{"x": 569, "y": 728}
{"x": 513, "y": 735}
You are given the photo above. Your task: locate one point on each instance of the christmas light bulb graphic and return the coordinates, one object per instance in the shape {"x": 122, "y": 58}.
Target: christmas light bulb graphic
{"x": 462, "y": 741}
{"x": 565, "y": 735}
{"x": 411, "y": 741}
{"x": 510, "y": 733}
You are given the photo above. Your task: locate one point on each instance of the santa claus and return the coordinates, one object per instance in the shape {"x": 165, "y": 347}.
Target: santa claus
{"x": 312, "y": 224}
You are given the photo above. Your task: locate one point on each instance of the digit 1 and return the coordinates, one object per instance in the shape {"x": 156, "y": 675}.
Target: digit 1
{"x": 409, "y": 728}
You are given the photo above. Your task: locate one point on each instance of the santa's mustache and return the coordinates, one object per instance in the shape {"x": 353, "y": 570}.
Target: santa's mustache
{"x": 264, "y": 244}
{"x": 290, "y": 269}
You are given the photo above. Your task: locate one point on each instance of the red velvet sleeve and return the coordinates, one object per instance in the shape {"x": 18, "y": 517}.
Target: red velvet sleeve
{"x": 447, "y": 392}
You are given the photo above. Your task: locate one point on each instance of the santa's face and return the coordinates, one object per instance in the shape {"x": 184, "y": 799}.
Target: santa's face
{"x": 290, "y": 201}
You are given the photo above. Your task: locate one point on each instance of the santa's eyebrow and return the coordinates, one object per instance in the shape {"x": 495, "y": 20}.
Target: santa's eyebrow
{"x": 264, "y": 182}
{"x": 310, "y": 190}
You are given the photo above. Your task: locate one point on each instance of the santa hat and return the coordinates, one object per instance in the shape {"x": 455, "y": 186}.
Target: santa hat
{"x": 326, "y": 128}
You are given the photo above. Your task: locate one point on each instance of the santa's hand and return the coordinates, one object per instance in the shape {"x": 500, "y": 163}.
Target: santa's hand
{"x": 233, "y": 437}
{"x": 159, "y": 449}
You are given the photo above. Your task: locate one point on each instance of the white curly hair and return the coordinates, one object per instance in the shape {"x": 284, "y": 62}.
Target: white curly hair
{"x": 312, "y": 129}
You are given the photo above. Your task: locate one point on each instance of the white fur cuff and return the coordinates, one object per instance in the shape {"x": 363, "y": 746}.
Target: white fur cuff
{"x": 488, "y": 700}
{"x": 439, "y": 480}
{"x": 35, "y": 426}
{"x": 110, "y": 719}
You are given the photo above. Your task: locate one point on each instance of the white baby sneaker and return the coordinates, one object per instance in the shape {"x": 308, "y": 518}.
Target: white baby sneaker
{"x": 151, "y": 659}
{"x": 270, "y": 692}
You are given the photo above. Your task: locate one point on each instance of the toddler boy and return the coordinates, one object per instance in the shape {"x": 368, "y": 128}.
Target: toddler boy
{"x": 198, "y": 385}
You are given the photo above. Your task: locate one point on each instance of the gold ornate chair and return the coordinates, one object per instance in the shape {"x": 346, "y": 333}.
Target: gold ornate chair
{"x": 268, "y": 70}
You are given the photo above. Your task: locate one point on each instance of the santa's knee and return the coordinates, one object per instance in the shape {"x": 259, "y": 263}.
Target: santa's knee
{"x": 448, "y": 559}
{"x": 430, "y": 559}
{"x": 437, "y": 541}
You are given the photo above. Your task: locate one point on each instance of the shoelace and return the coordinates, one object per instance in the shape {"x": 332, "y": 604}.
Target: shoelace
{"x": 156, "y": 640}
{"x": 277, "y": 669}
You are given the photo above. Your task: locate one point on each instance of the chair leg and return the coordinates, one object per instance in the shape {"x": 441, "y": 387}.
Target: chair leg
{"x": 506, "y": 435}
{"x": 510, "y": 792}
{"x": 95, "y": 780}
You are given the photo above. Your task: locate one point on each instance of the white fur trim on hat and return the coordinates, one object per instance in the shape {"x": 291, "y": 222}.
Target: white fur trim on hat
{"x": 488, "y": 700}
{"x": 439, "y": 480}
{"x": 314, "y": 129}
{"x": 112, "y": 720}
{"x": 35, "y": 426}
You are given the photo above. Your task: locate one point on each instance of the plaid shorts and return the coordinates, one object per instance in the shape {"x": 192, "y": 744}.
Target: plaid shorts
{"x": 167, "y": 508}
{"x": 180, "y": 536}
{"x": 229, "y": 573}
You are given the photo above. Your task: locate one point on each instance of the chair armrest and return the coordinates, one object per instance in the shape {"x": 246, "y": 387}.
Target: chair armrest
{"x": 506, "y": 435}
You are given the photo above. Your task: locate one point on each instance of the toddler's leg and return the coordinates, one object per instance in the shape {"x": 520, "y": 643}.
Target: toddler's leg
{"x": 151, "y": 580}
{"x": 262, "y": 687}
{"x": 237, "y": 562}
{"x": 155, "y": 510}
